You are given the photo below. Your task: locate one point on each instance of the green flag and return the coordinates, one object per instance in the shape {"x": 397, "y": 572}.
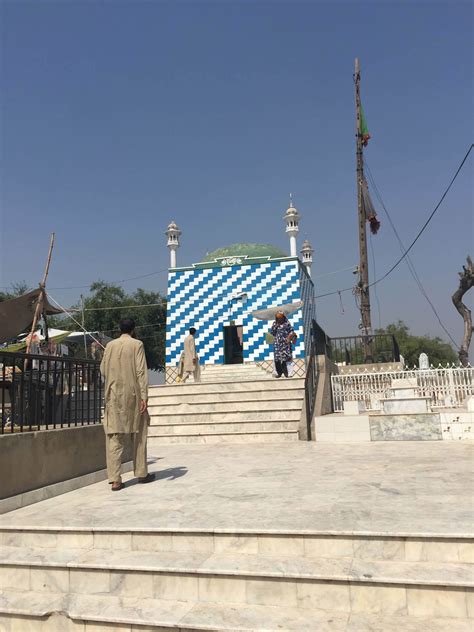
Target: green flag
{"x": 364, "y": 130}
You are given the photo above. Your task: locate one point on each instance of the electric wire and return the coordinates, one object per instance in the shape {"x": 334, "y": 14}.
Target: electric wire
{"x": 420, "y": 232}
{"x": 409, "y": 262}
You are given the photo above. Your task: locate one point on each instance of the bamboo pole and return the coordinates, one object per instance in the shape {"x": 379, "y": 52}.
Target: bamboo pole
{"x": 42, "y": 285}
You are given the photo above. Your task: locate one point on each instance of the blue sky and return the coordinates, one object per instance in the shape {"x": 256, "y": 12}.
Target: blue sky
{"x": 118, "y": 117}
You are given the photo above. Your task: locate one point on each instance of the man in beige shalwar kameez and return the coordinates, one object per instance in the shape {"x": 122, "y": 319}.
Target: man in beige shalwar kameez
{"x": 126, "y": 393}
{"x": 189, "y": 362}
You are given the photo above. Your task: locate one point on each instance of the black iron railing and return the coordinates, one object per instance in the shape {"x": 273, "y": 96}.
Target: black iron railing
{"x": 45, "y": 392}
{"x": 373, "y": 349}
{"x": 312, "y": 375}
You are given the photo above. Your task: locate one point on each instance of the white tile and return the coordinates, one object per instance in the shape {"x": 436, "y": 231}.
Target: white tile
{"x": 122, "y": 541}
{"x": 329, "y": 546}
{"x": 89, "y": 581}
{"x": 193, "y": 543}
{"x": 273, "y": 592}
{"x": 131, "y": 584}
{"x": 284, "y": 545}
{"x": 235, "y": 544}
{"x": 15, "y": 578}
{"x": 324, "y": 596}
{"x": 438, "y": 602}
{"x": 49, "y": 580}
{"x": 221, "y": 589}
{"x": 378, "y": 599}
{"x": 178, "y": 587}
{"x": 152, "y": 542}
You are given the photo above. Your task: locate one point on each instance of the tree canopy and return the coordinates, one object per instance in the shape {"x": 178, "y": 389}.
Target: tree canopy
{"x": 150, "y": 321}
{"x": 438, "y": 351}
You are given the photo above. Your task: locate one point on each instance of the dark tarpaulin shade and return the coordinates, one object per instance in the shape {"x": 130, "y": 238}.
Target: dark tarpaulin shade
{"x": 17, "y": 314}
{"x": 270, "y": 312}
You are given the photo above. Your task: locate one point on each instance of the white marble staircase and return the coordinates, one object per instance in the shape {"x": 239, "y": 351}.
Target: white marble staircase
{"x": 237, "y": 404}
{"x": 61, "y": 579}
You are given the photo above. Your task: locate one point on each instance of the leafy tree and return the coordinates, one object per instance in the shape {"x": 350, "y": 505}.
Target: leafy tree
{"x": 438, "y": 351}
{"x": 150, "y": 321}
{"x": 17, "y": 289}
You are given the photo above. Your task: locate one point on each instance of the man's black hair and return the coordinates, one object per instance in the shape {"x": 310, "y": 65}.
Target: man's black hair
{"x": 192, "y": 331}
{"x": 127, "y": 325}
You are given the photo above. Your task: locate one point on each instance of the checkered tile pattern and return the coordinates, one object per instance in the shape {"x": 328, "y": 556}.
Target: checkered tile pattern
{"x": 202, "y": 298}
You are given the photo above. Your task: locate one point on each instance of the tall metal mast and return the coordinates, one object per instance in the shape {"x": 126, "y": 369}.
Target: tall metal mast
{"x": 363, "y": 284}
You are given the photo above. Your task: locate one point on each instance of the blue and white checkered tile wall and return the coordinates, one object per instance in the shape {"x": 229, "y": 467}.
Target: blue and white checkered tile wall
{"x": 202, "y": 298}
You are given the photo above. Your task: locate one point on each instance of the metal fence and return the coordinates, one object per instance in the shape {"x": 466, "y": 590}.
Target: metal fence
{"x": 445, "y": 386}
{"x": 374, "y": 349}
{"x": 42, "y": 392}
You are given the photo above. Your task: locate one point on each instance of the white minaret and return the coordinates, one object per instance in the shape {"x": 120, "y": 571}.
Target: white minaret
{"x": 173, "y": 234}
{"x": 292, "y": 218}
{"x": 307, "y": 255}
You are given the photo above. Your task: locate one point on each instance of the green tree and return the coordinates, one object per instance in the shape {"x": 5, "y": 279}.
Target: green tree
{"x": 17, "y": 289}
{"x": 438, "y": 351}
{"x": 109, "y": 303}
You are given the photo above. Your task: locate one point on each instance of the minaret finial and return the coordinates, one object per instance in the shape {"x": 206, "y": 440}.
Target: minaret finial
{"x": 173, "y": 233}
{"x": 291, "y": 200}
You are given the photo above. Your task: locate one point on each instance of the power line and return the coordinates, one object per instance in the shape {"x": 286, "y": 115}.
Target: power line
{"x": 135, "y": 278}
{"x": 397, "y": 263}
{"x": 95, "y": 309}
{"x": 409, "y": 262}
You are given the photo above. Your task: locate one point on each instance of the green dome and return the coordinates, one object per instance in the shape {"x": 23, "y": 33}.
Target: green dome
{"x": 249, "y": 250}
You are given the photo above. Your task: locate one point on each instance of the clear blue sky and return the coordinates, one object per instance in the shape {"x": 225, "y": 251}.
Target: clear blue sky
{"x": 118, "y": 117}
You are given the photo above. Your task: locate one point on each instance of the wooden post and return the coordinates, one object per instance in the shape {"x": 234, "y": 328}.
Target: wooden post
{"x": 42, "y": 285}
{"x": 363, "y": 284}
{"x": 83, "y": 327}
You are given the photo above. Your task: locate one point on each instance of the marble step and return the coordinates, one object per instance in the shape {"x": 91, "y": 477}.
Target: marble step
{"x": 212, "y": 398}
{"x": 397, "y": 587}
{"x": 408, "y": 392}
{"x": 406, "y": 427}
{"x": 292, "y": 414}
{"x": 184, "y": 427}
{"x": 262, "y": 436}
{"x": 360, "y": 546}
{"x": 405, "y": 405}
{"x": 222, "y": 407}
{"x": 55, "y": 612}
{"x": 224, "y": 387}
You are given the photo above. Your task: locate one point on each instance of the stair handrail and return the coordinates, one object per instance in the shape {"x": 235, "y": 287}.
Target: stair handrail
{"x": 312, "y": 376}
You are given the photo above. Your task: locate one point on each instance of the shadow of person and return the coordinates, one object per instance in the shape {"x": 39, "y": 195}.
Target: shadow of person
{"x": 172, "y": 473}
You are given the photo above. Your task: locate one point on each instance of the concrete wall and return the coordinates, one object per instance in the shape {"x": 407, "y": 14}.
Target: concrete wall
{"x": 326, "y": 368}
{"x": 31, "y": 460}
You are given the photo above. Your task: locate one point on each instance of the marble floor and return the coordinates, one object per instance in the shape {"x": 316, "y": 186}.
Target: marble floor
{"x": 374, "y": 488}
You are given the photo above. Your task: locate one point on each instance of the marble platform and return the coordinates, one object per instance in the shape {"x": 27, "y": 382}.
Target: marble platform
{"x": 329, "y": 538}
{"x": 414, "y": 489}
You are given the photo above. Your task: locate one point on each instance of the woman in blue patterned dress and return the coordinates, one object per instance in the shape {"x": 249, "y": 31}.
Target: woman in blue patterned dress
{"x": 283, "y": 336}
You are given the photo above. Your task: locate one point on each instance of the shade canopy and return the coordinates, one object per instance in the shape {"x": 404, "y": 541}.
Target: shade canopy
{"x": 271, "y": 312}
{"x": 17, "y": 314}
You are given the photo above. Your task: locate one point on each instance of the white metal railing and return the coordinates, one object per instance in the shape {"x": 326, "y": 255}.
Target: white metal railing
{"x": 445, "y": 386}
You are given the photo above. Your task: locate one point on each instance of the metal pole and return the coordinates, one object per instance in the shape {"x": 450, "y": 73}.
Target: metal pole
{"x": 363, "y": 285}
{"x": 83, "y": 327}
